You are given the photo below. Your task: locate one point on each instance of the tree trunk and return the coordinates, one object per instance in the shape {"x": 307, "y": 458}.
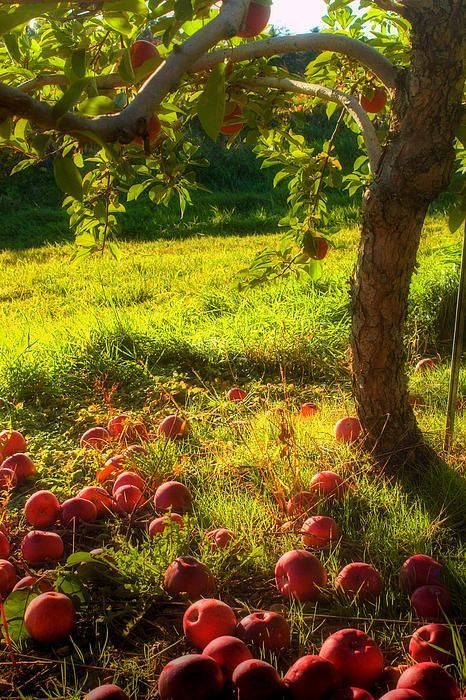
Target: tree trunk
{"x": 415, "y": 167}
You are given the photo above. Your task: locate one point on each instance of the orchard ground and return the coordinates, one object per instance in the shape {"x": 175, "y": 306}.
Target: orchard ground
{"x": 164, "y": 330}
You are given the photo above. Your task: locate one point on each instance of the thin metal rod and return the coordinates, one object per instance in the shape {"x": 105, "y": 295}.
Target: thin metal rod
{"x": 457, "y": 351}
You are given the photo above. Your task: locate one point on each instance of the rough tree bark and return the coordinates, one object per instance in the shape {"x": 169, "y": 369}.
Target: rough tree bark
{"x": 415, "y": 167}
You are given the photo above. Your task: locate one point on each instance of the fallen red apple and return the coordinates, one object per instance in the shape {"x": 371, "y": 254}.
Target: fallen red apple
{"x": 430, "y": 601}
{"x": 174, "y": 496}
{"x": 232, "y": 122}
{"x": 257, "y": 680}
{"x": 356, "y": 656}
{"x": 99, "y": 497}
{"x": 11, "y": 442}
{"x": 301, "y": 503}
{"x": 320, "y": 532}
{"x": 191, "y": 677}
{"x": 95, "y": 438}
{"x": 351, "y": 694}
{"x": 38, "y": 547}
{"x": 128, "y": 499}
{"x": 390, "y": 677}
{"x": 256, "y": 20}
{"x": 125, "y": 428}
{"x": 311, "y": 678}
{"x": 8, "y": 577}
{"x": 42, "y": 509}
{"x": 432, "y": 642}
{"x": 111, "y": 467}
{"x": 142, "y": 51}
{"x": 173, "y": 427}
{"x": 158, "y": 525}
{"x": 187, "y": 575}
{"x": 21, "y": 465}
{"x": 40, "y": 582}
{"x": 329, "y": 485}
{"x": 4, "y": 546}
{"x": 236, "y": 394}
{"x": 133, "y": 449}
{"x": 126, "y": 478}
{"x": 50, "y": 617}
{"x": 107, "y": 692}
{"x": 425, "y": 364}
{"x": 308, "y": 409}
{"x": 347, "y": 429}
{"x": 267, "y": 630}
{"x": 431, "y": 681}
{"x": 206, "y": 620}
{"x": 220, "y": 538}
{"x": 299, "y": 574}
{"x": 419, "y": 570}
{"x": 359, "y": 581}
{"x": 228, "y": 652}
{"x": 376, "y": 102}
{"x": 401, "y": 695}
{"x": 77, "y": 510}
{"x": 8, "y": 479}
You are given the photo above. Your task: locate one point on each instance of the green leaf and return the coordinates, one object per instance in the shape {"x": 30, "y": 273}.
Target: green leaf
{"x": 114, "y": 250}
{"x": 78, "y": 63}
{"x": 15, "y": 606}
{"x": 119, "y": 23}
{"x": 5, "y": 129}
{"x": 68, "y": 177}
{"x": 139, "y": 7}
{"x": 183, "y": 10}
{"x": 97, "y": 105}
{"x": 456, "y": 218}
{"x": 79, "y": 557}
{"x": 69, "y": 584}
{"x": 12, "y": 46}
{"x": 16, "y": 18}
{"x": 22, "y": 165}
{"x": 71, "y": 97}
{"x": 211, "y": 105}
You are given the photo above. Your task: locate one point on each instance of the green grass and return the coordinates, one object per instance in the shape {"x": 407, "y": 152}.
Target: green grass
{"x": 165, "y": 330}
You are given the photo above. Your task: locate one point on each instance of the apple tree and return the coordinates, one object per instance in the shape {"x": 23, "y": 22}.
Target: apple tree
{"x": 108, "y": 88}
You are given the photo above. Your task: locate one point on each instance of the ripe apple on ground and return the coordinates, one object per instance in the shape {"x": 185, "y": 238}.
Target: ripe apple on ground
{"x": 329, "y": 485}
{"x": 206, "y": 620}
{"x": 191, "y": 677}
{"x": 375, "y": 102}
{"x": 126, "y": 478}
{"x": 21, "y": 465}
{"x": 220, "y": 538}
{"x": 38, "y": 547}
{"x": 299, "y": 574}
{"x": 401, "y": 695}
{"x": 133, "y": 449}
{"x": 128, "y": 499}
{"x": 187, "y": 575}
{"x": 8, "y": 479}
{"x": 236, "y": 394}
{"x": 8, "y": 577}
{"x": 42, "y": 509}
{"x": 106, "y": 692}
{"x": 4, "y": 546}
{"x": 432, "y": 642}
{"x": 347, "y": 429}
{"x": 320, "y": 532}
{"x": 390, "y": 677}
{"x": 356, "y": 656}
{"x": 111, "y": 467}
{"x": 77, "y": 510}
{"x": 301, "y": 503}
{"x": 419, "y": 570}
{"x": 256, "y": 20}
{"x": 351, "y": 694}
{"x": 11, "y": 442}
{"x": 173, "y": 427}
{"x": 431, "y": 681}
{"x": 99, "y": 497}
{"x": 95, "y": 438}
{"x": 142, "y": 51}
{"x": 308, "y": 409}
{"x": 158, "y": 525}
{"x": 257, "y": 680}
{"x": 311, "y": 678}
{"x": 425, "y": 364}
{"x": 267, "y": 630}
{"x": 50, "y": 617}
{"x": 174, "y": 496}
{"x": 232, "y": 124}
{"x": 430, "y": 601}
{"x": 40, "y": 582}
{"x": 228, "y": 652}
{"x": 359, "y": 581}
{"x": 125, "y": 428}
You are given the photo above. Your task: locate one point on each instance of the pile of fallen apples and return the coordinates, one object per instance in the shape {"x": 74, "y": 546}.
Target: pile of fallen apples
{"x": 350, "y": 664}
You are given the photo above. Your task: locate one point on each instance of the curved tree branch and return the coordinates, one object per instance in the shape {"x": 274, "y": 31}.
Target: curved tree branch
{"x": 348, "y": 102}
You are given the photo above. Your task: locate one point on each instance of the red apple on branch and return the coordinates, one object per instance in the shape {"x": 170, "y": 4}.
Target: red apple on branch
{"x": 256, "y": 20}
{"x": 375, "y": 102}
{"x": 142, "y": 51}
